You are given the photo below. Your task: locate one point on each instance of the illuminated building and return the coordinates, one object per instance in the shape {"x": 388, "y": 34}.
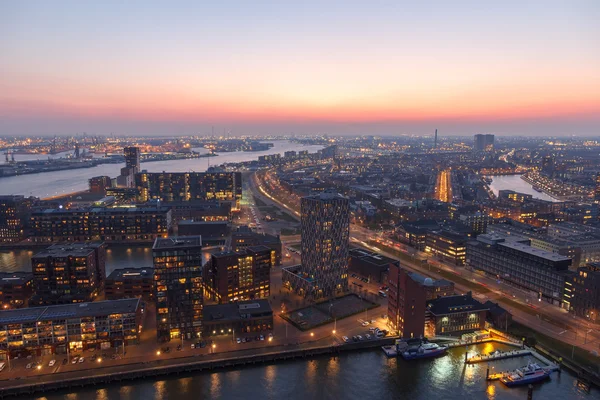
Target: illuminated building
{"x": 454, "y": 315}
{"x": 14, "y": 212}
{"x": 237, "y": 319}
{"x": 70, "y": 273}
{"x": 99, "y": 184}
{"x": 178, "y": 287}
{"x": 447, "y": 245}
{"x": 370, "y": 265}
{"x": 187, "y": 186}
{"x": 597, "y": 188}
{"x": 583, "y": 292}
{"x": 70, "y": 328}
{"x": 514, "y": 261}
{"x": 483, "y": 142}
{"x": 119, "y": 224}
{"x": 244, "y": 275}
{"x": 245, "y": 237}
{"x": 325, "y": 222}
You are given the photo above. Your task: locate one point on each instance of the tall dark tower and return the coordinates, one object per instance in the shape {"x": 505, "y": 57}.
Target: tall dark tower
{"x": 435, "y": 140}
{"x": 132, "y": 158}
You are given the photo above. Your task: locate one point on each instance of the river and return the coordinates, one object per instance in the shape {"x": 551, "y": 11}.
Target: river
{"x": 68, "y": 181}
{"x": 358, "y": 375}
{"x": 514, "y": 182}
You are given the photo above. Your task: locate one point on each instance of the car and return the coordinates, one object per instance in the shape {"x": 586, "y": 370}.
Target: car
{"x": 380, "y": 334}
{"x": 28, "y": 366}
{"x": 51, "y": 363}
{"x": 365, "y": 323}
{"x": 65, "y": 361}
{"x": 262, "y": 337}
{"x": 74, "y": 360}
{"x": 193, "y": 346}
{"x": 238, "y": 340}
{"x": 93, "y": 358}
{"x": 81, "y": 359}
{"x": 373, "y": 321}
{"x": 368, "y": 336}
{"x": 178, "y": 347}
{"x": 360, "y": 338}
{"x": 270, "y": 335}
{"x": 167, "y": 349}
{"x": 354, "y": 339}
{"x": 345, "y": 339}
{"x": 372, "y": 329}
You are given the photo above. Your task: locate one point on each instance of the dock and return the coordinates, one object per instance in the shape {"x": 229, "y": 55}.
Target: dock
{"x": 498, "y": 355}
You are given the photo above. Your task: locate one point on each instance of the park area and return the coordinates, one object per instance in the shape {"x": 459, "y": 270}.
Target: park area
{"x": 324, "y": 312}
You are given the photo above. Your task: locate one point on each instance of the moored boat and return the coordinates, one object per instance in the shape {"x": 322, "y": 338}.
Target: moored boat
{"x": 531, "y": 373}
{"x": 424, "y": 350}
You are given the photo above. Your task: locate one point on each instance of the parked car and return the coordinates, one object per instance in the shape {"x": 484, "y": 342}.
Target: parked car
{"x": 51, "y": 363}
{"x": 65, "y": 361}
{"x": 345, "y": 339}
{"x": 365, "y": 323}
{"x": 368, "y": 336}
{"x": 93, "y": 358}
{"x": 28, "y": 366}
{"x": 74, "y": 360}
{"x": 354, "y": 339}
{"x": 270, "y": 334}
{"x": 81, "y": 359}
{"x": 179, "y": 347}
{"x": 360, "y": 338}
{"x": 193, "y": 346}
{"x": 238, "y": 340}
{"x": 262, "y": 337}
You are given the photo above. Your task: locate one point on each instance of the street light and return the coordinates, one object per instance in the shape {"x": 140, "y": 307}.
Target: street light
{"x": 158, "y": 352}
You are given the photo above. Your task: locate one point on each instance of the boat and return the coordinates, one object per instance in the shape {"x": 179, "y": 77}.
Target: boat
{"x": 424, "y": 350}
{"x": 531, "y": 373}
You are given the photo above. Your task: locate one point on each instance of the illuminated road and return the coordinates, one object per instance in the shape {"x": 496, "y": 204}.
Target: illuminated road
{"x": 443, "y": 189}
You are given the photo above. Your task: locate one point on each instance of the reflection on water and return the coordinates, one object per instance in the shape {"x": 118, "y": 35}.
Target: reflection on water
{"x": 514, "y": 182}
{"x": 360, "y": 375}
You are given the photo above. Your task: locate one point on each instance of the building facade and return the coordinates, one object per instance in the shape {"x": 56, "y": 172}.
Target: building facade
{"x": 132, "y": 158}
{"x": 119, "y": 224}
{"x": 325, "y": 230}
{"x": 406, "y": 304}
{"x": 447, "y": 245}
{"x": 238, "y": 276}
{"x": 245, "y": 318}
{"x": 372, "y": 266}
{"x": 130, "y": 283}
{"x": 99, "y": 184}
{"x": 244, "y": 237}
{"x": 454, "y": 316}
{"x": 70, "y": 273}
{"x": 583, "y": 292}
{"x": 515, "y": 262}
{"x": 187, "y": 186}
{"x": 178, "y": 288}
{"x": 70, "y": 328}
{"x": 14, "y": 214}
{"x": 483, "y": 142}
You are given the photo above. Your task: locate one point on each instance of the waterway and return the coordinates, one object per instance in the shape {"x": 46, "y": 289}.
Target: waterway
{"x": 358, "y": 375}
{"x": 68, "y": 181}
{"x": 514, "y": 182}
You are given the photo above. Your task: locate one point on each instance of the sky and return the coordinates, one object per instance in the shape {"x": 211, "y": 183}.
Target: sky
{"x": 507, "y": 67}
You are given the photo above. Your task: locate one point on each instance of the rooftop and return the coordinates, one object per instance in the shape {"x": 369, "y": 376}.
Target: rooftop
{"x": 454, "y": 304}
{"x": 235, "y": 311}
{"x": 131, "y": 273}
{"x": 78, "y": 310}
{"x": 547, "y": 255}
{"x": 15, "y": 278}
{"x": 425, "y": 281}
{"x": 370, "y": 257}
{"x": 65, "y": 251}
{"x": 177, "y": 242}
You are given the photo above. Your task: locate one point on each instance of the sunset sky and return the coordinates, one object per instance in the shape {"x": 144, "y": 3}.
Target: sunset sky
{"x": 348, "y": 67}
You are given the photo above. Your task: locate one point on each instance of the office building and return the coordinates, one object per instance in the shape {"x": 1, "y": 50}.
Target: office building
{"x": 214, "y": 233}
{"x": 132, "y": 158}
{"x": 202, "y": 211}
{"x": 128, "y": 283}
{"x": 582, "y": 293}
{"x": 70, "y": 273}
{"x": 515, "y": 262}
{"x": 370, "y": 265}
{"x": 514, "y": 196}
{"x": 476, "y": 221}
{"x": 123, "y": 195}
{"x": 189, "y": 186}
{"x": 454, "y": 316}
{"x": 70, "y": 328}
{"x": 15, "y": 289}
{"x": 178, "y": 287}
{"x": 447, "y": 245}
{"x": 483, "y": 142}
{"x": 99, "y": 184}
{"x": 235, "y": 276}
{"x": 244, "y": 318}
{"x": 14, "y": 214}
{"x": 119, "y": 224}
{"x": 325, "y": 220}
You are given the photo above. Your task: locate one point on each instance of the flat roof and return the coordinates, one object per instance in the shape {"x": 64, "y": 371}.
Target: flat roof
{"x": 370, "y": 257}
{"x": 234, "y": 311}
{"x": 65, "y": 251}
{"x": 131, "y": 273}
{"x": 547, "y": 255}
{"x": 15, "y": 278}
{"x": 454, "y": 304}
{"x": 177, "y": 242}
{"x": 76, "y": 310}
{"x": 425, "y": 281}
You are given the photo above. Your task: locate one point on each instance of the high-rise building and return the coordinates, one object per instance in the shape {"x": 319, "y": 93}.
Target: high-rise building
{"x": 237, "y": 276}
{"x": 132, "y": 158}
{"x": 583, "y": 292}
{"x": 597, "y": 189}
{"x": 188, "y": 186}
{"x": 325, "y": 222}
{"x": 483, "y": 142}
{"x": 178, "y": 287}
{"x": 70, "y": 273}
{"x": 14, "y": 213}
{"x": 99, "y": 184}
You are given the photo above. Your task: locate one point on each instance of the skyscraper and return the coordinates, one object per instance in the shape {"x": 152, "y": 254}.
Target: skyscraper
{"x": 483, "y": 142}
{"x": 597, "y": 190}
{"x": 325, "y": 241}
{"x": 132, "y": 158}
{"x": 178, "y": 287}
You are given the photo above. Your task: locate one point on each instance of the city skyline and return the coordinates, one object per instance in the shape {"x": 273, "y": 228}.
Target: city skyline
{"x": 348, "y": 69}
